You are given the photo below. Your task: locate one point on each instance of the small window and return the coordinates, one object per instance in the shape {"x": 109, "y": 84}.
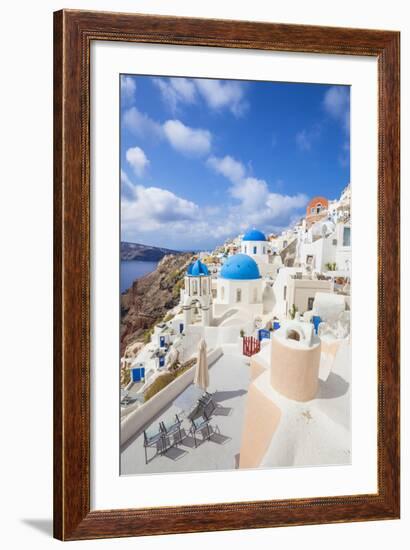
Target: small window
{"x": 309, "y": 260}
{"x": 245, "y": 249}
{"x": 264, "y": 250}
{"x": 285, "y": 244}
{"x": 284, "y": 292}
{"x": 222, "y": 293}
{"x": 254, "y": 249}
{"x": 346, "y": 236}
{"x": 194, "y": 287}
{"x": 238, "y": 295}
{"x": 312, "y": 210}
{"x": 334, "y": 242}
{"x": 310, "y": 303}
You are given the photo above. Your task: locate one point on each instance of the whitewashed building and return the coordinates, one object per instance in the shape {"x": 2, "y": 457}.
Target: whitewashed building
{"x": 255, "y": 245}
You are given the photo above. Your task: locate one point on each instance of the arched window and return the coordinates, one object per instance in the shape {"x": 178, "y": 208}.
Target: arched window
{"x": 254, "y": 249}
{"x": 293, "y": 335}
{"x": 264, "y": 250}
{"x": 238, "y": 295}
{"x": 194, "y": 286}
{"x": 245, "y": 248}
{"x": 318, "y": 207}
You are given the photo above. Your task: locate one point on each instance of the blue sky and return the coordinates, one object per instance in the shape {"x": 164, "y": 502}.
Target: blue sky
{"x": 203, "y": 160}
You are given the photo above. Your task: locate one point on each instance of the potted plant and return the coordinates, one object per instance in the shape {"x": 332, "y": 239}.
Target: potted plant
{"x": 292, "y": 311}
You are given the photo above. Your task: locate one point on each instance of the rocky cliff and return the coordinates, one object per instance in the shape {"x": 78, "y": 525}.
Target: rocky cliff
{"x": 135, "y": 251}
{"x": 149, "y": 298}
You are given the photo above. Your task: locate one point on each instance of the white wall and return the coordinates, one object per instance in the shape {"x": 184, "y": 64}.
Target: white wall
{"x": 261, "y": 247}
{"x": 251, "y": 292}
{"x": 26, "y": 275}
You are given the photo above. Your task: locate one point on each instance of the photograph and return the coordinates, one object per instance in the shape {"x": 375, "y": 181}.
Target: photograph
{"x": 235, "y": 274}
{"x": 205, "y": 258}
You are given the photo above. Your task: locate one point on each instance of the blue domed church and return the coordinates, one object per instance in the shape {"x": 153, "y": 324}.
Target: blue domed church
{"x": 197, "y": 295}
{"x": 255, "y": 245}
{"x": 239, "y": 285}
{"x": 243, "y": 285}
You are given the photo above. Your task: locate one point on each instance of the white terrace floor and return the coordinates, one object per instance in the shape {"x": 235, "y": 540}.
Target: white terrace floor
{"x": 229, "y": 380}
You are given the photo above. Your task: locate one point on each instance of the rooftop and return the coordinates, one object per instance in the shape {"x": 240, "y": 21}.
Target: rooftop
{"x": 254, "y": 235}
{"x": 197, "y": 269}
{"x": 240, "y": 266}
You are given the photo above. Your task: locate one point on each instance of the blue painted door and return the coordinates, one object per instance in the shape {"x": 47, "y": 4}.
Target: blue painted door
{"x": 161, "y": 341}
{"x": 136, "y": 375}
{"x": 161, "y": 360}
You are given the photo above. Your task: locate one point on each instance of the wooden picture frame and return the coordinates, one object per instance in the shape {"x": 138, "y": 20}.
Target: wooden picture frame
{"x": 74, "y": 32}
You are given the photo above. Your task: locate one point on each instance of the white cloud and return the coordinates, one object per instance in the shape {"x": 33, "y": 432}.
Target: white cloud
{"x": 137, "y": 159}
{"x": 176, "y": 90}
{"x": 337, "y": 104}
{"x": 141, "y": 124}
{"x": 160, "y": 215}
{"x": 303, "y": 141}
{"x": 228, "y": 167}
{"x": 252, "y": 192}
{"x": 220, "y": 94}
{"x": 187, "y": 140}
{"x": 306, "y": 138}
{"x": 256, "y": 204}
{"x": 127, "y": 188}
{"x": 128, "y": 88}
{"x": 153, "y": 208}
{"x": 217, "y": 94}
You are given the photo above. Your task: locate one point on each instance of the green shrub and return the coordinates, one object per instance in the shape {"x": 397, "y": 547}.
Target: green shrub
{"x": 188, "y": 364}
{"x": 164, "y": 379}
{"x": 147, "y": 335}
{"x": 293, "y": 311}
{"x": 181, "y": 370}
{"x": 158, "y": 384}
{"x": 177, "y": 287}
{"x": 125, "y": 377}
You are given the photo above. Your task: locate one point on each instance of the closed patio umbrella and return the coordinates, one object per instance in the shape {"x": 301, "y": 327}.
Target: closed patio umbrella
{"x": 201, "y": 373}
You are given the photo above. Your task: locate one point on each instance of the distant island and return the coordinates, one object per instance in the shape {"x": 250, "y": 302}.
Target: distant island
{"x": 144, "y": 253}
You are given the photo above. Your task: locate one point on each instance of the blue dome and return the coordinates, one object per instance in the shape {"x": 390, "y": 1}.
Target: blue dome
{"x": 197, "y": 269}
{"x": 240, "y": 266}
{"x": 254, "y": 235}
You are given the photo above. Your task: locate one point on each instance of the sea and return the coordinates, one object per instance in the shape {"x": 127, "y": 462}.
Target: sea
{"x": 134, "y": 269}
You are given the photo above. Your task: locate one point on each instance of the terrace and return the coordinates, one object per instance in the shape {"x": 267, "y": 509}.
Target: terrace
{"x": 229, "y": 381}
